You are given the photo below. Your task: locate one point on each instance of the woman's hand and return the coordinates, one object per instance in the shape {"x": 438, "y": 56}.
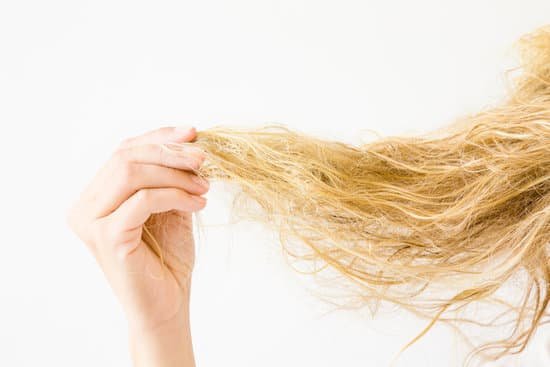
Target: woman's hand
{"x": 135, "y": 217}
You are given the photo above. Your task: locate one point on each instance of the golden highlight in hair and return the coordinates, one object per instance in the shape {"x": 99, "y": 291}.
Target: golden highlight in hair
{"x": 458, "y": 212}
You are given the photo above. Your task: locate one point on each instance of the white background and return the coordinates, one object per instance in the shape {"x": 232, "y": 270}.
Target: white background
{"x": 76, "y": 77}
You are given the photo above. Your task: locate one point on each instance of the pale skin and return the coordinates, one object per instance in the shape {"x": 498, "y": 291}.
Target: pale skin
{"x": 144, "y": 184}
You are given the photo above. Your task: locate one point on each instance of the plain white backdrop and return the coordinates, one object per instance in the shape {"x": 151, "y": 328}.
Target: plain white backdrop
{"x": 76, "y": 77}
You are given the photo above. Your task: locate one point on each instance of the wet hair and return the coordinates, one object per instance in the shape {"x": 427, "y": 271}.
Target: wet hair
{"x": 431, "y": 223}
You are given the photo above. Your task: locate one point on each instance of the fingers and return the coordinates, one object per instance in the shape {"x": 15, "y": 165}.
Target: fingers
{"x": 143, "y": 177}
{"x": 136, "y": 210}
{"x": 132, "y": 177}
{"x": 186, "y": 157}
{"x": 136, "y": 167}
{"x": 161, "y": 136}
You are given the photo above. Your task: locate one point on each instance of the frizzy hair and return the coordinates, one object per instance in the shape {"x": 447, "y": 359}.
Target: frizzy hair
{"x": 464, "y": 209}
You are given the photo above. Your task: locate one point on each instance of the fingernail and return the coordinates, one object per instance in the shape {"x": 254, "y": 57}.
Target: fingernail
{"x": 184, "y": 128}
{"x": 184, "y": 132}
{"x": 186, "y": 151}
{"x": 199, "y": 199}
{"x": 196, "y": 157}
{"x": 196, "y": 151}
{"x": 200, "y": 181}
{"x": 195, "y": 162}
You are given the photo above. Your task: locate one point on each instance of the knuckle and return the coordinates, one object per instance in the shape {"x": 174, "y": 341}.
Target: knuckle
{"x": 122, "y": 170}
{"x": 119, "y": 157}
{"x": 100, "y": 233}
{"x": 106, "y": 234}
{"x": 162, "y": 155}
{"x": 90, "y": 234}
{"x": 127, "y": 171}
{"x": 143, "y": 196}
{"x": 125, "y": 143}
{"x": 78, "y": 221}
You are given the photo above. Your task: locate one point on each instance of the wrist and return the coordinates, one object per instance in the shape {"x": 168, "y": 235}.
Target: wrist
{"x": 160, "y": 314}
{"x": 165, "y": 345}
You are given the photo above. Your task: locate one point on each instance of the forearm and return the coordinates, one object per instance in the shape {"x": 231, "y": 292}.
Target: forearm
{"x": 167, "y": 345}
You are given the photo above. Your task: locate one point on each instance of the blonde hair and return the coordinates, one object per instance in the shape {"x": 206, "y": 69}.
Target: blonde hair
{"x": 462, "y": 210}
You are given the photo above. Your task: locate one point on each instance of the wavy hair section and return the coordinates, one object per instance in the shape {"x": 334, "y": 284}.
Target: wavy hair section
{"x": 431, "y": 223}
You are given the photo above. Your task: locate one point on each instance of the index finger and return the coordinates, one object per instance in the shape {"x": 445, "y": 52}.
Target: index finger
{"x": 163, "y": 135}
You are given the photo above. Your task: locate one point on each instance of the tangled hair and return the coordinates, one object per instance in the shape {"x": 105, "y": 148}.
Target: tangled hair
{"x": 431, "y": 223}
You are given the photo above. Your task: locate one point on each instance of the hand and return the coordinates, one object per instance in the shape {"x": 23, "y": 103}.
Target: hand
{"x": 135, "y": 217}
